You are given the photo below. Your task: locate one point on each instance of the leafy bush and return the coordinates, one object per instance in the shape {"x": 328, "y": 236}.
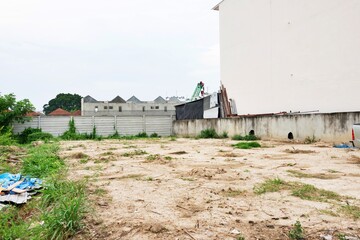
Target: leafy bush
{"x": 6, "y": 137}
{"x": 39, "y": 136}
{"x": 22, "y": 137}
{"x": 208, "y": 133}
{"x": 141, "y": 135}
{"x": 154, "y": 135}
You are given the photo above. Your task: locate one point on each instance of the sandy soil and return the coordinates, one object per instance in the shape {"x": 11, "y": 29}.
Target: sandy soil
{"x": 204, "y": 189}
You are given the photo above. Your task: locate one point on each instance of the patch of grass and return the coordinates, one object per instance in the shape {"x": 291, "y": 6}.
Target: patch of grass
{"x": 100, "y": 192}
{"x": 351, "y": 211}
{"x": 84, "y": 160}
{"x": 270, "y": 185}
{"x": 153, "y": 157}
{"x": 42, "y": 161}
{"x": 134, "y": 153}
{"x": 168, "y": 158}
{"x": 247, "y": 145}
{"x": 297, "y": 232}
{"x": 208, "y": 133}
{"x": 245, "y": 138}
{"x": 328, "y": 212}
{"x": 299, "y": 174}
{"x": 310, "y": 192}
{"x": 65, "y": 217}
{"x": 107, "y": 154}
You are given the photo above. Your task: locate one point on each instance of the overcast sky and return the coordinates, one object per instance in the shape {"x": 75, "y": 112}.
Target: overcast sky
{"x": 105, "y": 48}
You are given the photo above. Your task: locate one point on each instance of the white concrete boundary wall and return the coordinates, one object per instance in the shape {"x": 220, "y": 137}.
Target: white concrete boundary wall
{"x": 330, "y": 127}
{"x": 105, "y": 126}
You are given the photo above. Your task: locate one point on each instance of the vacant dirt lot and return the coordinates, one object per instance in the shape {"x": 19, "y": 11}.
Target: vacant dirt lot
{"x": 207, "y": 189}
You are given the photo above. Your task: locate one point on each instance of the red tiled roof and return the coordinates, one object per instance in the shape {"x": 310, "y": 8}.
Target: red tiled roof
{"x": 76, "y": 113}
{"x": 60, "y": 112}
{"x": 33, "y": 114}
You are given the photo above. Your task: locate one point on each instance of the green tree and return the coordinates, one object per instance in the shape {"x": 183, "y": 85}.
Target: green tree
{"x": 66, "y": 101}
{"x": 12, "y": 110}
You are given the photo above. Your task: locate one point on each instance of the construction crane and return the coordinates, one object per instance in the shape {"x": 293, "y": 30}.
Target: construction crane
{"x": 199, "y": 91}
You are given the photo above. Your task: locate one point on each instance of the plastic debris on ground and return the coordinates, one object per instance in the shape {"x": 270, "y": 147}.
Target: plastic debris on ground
{"x": 17, "y": 189}
{"x": 342, "y": 146}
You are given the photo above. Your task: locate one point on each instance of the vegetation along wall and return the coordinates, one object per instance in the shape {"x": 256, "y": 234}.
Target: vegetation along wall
{"x": 329, "y": 127}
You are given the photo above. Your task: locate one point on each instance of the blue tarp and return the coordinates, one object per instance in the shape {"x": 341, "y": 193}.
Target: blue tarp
{"x": 8, "y": 179}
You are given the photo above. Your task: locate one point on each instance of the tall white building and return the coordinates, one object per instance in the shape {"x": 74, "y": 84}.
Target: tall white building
{"x": 291, "y": 55}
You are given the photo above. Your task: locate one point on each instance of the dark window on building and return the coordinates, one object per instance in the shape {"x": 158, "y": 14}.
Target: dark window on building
{"x": 120, "y": 109}
{"x": 157, "y": 107}
{"x": 165, "y": 109}
{"x": 143, "y": 108}
{"x": 111, "y": 107}
{"x": 152, "y": 107}
{"x": 105, "y": 107}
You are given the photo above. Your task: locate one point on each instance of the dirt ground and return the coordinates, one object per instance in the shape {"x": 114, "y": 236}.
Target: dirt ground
{"x": 204, "y": 189}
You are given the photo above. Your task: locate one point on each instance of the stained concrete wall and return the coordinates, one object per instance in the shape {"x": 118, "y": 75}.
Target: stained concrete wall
{"x": 329, "y": 127}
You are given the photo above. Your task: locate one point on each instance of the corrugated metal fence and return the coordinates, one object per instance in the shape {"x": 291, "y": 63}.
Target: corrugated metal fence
{"x": 105, "y": 126}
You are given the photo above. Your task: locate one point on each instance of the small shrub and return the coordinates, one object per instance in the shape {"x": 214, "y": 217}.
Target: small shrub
{"x": 224, "y": 135}
{"x": 154, "y": 135}
{"x": 208, "y": 133}
{"x": 297, "y": 232}
{"x": 39, "y": 136}
{"x": 6, "y": 138}
{"x": 22, "y": 138}
{"x": 310, "y": 140}
{"x": 141, "y": 135}
{"x": 247, "y": 145}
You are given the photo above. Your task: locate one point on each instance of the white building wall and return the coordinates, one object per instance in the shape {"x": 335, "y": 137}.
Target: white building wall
{"x": 291, "y": 55}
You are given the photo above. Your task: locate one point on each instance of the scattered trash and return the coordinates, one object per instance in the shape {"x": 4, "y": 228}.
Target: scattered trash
{"x": 235, "y": 232}
{"x": 15, "y": 188}
{"x": 342, "y": 146}
{"x": 326, "y": 237}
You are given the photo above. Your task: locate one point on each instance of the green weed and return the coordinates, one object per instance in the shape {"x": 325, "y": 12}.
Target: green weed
{"x": 247, "y": 145}
{"x": 245, "y": 138}
{"x": 270, "y": 185}
{"x": 134, "y": 153}
{"x": 297, "y": 232}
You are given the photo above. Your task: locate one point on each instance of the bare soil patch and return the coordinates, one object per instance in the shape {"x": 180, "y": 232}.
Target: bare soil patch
{"x": 204, "y": 189}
